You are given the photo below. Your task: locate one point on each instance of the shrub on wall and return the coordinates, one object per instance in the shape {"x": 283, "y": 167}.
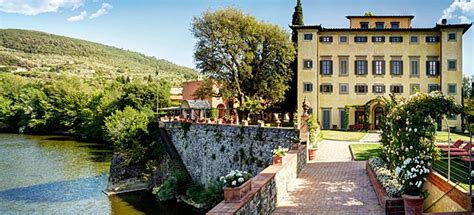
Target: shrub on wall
{"x": 408, "y": 136}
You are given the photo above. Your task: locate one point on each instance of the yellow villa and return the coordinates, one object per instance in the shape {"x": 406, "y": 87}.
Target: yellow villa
{"x": 347, "y": 70}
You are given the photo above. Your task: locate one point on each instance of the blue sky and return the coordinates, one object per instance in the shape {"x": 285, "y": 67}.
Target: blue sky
{"x": 161, "y": 27}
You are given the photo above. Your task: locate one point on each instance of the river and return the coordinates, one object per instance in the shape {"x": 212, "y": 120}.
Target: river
{"x": 57, "y": 175}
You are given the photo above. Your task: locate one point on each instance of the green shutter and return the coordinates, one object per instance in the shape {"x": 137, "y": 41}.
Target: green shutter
{"x": 355, "y": 67}
{"x": 427, "y": 68}
{"x": 330, "y": 67}
{"x": 373, "y": 67}
{"x": 383, "y": 67}
{"x": 401, "y": 67}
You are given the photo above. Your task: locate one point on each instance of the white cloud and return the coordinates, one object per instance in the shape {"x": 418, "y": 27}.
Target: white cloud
{"x": 464, "y": 7}
{"x": 78, "y": 17}
{"x": 464, "y": 20}
{"x": 102, "y": 11}
{"x": 34, "y": 7}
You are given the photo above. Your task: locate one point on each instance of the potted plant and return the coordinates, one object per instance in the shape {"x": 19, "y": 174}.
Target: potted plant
{"x": 411, "y": 174}
{"x": 296, "y": 142}
{"x": 312, "y": 127}
{"x": 237, "y": 185}
{"x": 278, "y": 155}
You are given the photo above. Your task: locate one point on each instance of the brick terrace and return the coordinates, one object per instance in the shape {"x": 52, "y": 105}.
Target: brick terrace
{"x": 333, "y": 185}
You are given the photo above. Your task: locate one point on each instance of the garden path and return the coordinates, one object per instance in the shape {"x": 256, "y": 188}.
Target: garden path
{"x": 334, "y": 184}
{"x": 371, "y": 138}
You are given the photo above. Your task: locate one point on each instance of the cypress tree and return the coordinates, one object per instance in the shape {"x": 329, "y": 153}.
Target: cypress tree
{"x": 291, "y": 99}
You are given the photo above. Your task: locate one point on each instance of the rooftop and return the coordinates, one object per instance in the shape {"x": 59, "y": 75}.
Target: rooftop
{"x": 383, "y": 16}
{"x": 465, "y": 27}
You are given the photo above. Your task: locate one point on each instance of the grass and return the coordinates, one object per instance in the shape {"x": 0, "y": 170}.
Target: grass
{"x": 363, "y": 152}
{"x": 442, "y": 136}
{"x": 343, "y": 135}
{"x": 459, "y": 171}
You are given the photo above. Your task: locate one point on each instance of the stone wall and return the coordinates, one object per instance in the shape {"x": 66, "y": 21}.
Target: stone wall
{"x": 209, "y": 151}
{"x": 268, "y": 187}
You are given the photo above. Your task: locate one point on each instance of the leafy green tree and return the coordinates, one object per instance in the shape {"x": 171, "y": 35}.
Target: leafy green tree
{"x": 249, "y": 57}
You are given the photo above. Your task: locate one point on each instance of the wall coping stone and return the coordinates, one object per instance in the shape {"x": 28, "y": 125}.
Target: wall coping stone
{"x": 258, "y": 182}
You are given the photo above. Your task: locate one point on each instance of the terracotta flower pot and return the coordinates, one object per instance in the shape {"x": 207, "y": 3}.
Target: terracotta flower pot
{"x": 312, "y": 153}
{"x": 413, "y": 204}
{"x": 236, "y": 194}
{"x": 277, "y": 160}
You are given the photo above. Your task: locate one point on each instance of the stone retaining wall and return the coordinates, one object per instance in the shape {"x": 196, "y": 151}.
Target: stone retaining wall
{"x": 209, "y": 151}
{"x": 268, "y": 187}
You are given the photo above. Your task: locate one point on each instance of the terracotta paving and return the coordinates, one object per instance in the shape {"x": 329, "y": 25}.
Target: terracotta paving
{"x": 332, "y": 185}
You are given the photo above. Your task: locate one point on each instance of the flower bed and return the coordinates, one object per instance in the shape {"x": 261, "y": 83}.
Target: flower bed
{"x": 385, "y": 186}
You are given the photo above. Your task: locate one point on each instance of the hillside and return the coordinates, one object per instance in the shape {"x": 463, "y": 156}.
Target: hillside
{"x": 33, "y": 52}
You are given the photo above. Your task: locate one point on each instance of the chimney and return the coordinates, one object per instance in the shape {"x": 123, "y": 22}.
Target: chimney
{"x": 444, "y": 21}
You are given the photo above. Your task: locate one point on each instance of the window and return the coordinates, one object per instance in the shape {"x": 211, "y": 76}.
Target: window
{"x": 414, "y": 67}
{"x": 452, "y": 89}
{"x": 414, "y": 88}
{"x": 343, "y": 66}
{"x": 326, "y": 67}
{"x": 364, "y": 25}
{"x": 325, "y": 88}
{"x": 396, "y": 39}
{"x": 378, "y": 67}
{"x": 451, "y": 64}
{"x": 379, "y": 25}
{"x": 452, "y": 117}
{"x": 414, "y": 39}
{"x": 432, "y": 39}
{"x": 325, "y": 39}
{"x": 395, "y": 25}
{"x": 432, "y": 67}
{"x": 360, "y": 39}
{"x": 378, "y": 39}
{"x": 343, "y": 88}
{"x": 452, "y": 36}
{"x": 343, "y": 39}
{"x": 307, "y": 64}
{"x": 308, "y": 36}
{"x": 361, "y": 67}
{"x": 378, "y": 88}
{"x": 396, "y": 89}
{"x": 307, "y": 87}
{"x": 396, "y": 67}
{"x": 361, "y": 88}
{"x": 432, "y": 87}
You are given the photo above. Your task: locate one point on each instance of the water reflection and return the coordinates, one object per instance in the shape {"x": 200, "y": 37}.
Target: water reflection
{"x": 57, "y": 175}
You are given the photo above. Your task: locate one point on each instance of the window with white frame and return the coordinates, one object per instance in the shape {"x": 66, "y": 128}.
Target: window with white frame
{"x": 378, "y": 67}
{"x": 307, "y": 64}
{"x": 378, "y": 88}
{"x": 307, "y": 87}
{"x": 361, "y": 67}
{"x": 432, "y": 67}
{"x": 396, "y": 67}
{"x": 326, "y": 67}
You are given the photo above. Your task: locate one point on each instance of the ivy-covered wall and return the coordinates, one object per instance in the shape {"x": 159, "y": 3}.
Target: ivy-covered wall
{"x": 209, "y": 151}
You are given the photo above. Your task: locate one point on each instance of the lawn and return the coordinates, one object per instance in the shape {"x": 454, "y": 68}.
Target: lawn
{"x": 442, "y": 136}
{"x": 362, "y": 152}
{"x": 343, "y": 135}
{"x": 459, "y": 171}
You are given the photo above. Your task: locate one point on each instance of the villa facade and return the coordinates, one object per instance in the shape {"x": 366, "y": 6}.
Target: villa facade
{"x": 348, "y": 69}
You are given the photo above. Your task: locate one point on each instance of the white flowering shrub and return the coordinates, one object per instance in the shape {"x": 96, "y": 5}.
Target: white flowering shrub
{"x": 235, "y": 178}
{"x": 408, "y": 135}
{"x": 412, "y": 173}
{"x": 386, "y": 178}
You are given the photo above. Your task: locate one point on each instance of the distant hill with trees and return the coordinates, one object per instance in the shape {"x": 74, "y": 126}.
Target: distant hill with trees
{"x": 33, "y": 53}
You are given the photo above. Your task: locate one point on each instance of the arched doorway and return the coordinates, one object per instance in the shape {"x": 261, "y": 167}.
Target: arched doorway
{"x": 221, "y": 109}
{"x": 378, "y": 114}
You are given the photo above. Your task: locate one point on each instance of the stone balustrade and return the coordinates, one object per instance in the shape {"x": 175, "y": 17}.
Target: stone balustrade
{"x": 268, "y": 187}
